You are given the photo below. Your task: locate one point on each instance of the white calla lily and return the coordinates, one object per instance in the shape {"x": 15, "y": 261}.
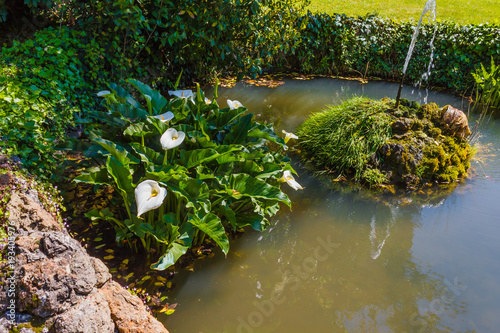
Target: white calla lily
{"x": 289, "y": 136}
{"x": 181, "y": 93}
{"x": 288, "y": 178}
{"x": 149, "y": 195}
{"x": 172, "y": 138}
{"x": 234, "y": 104}
{"x": 164, "y": 117}
{"x": 103, "y": 93}
{"x": 208, "y": 100}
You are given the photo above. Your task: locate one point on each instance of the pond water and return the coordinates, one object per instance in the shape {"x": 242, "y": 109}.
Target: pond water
{"x": 341, "y": 261}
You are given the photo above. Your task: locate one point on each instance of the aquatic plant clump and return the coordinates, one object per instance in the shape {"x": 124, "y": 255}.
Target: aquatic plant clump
{"x": 343, "y": 137}
{"x": 183, "y": 170}
{"x": 374, "y": 143}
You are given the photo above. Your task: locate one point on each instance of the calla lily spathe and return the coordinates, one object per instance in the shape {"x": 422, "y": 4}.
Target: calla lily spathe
{"x": 288, "y": 178}
{"x": 164, "y": 117}
{"x": 149, "y": 195}
{"x": 289, "y": 136}
{"x": 234, "y": 104}
{"x": 103, "y": 93}
{"x": 172, "y": 138}
{"x": 181, "y": 93}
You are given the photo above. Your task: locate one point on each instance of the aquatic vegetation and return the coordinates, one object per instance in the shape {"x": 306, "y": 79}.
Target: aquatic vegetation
{"x": 488, "y": 85}
{"x": 374, "y": 143}
{"x": 184, "y": 169}
{"x": 344, "y": 137}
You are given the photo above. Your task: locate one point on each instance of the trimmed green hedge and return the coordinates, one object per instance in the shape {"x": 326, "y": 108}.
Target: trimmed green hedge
{"x": 372, "y": 46}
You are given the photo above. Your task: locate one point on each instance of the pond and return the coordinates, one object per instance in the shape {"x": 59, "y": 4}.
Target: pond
{"x": 341, "y": 261}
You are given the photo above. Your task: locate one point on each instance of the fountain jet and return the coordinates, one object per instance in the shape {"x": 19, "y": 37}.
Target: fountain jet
{"x": 429, "y": 6}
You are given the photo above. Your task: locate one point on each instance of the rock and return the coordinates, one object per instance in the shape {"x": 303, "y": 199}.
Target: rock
{"x": 455, "y": 122}
{"x": 101, "y": 272}
{"x": 61, "y": 279}
{"x": 58, "y": 284}
{"x": 46, "y": 288}
{"x": 401, "y": 126}
{"x": 28, "y": 214}
{"x": 128, "y": 311}
{"x": 89, "y": 316}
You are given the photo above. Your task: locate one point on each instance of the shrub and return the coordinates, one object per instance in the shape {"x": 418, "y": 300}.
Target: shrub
{"x": 372, "y": 46}
{"x": 216, "y": 166}
{"x": 44, "y": 82}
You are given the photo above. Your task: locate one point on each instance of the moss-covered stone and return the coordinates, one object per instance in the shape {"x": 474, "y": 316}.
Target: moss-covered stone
{"x": 423, "y": 146}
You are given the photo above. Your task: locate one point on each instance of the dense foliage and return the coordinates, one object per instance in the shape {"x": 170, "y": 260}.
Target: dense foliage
{"x": 201, "y": 168}
{"x": 489, "y": 85}
{"x": 44, "y": 82}
{"x": 372, "y": 46}
{"x": 202, "y": 38}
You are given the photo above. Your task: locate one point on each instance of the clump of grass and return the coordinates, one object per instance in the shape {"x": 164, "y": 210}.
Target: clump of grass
{"x": 344, "y": 137}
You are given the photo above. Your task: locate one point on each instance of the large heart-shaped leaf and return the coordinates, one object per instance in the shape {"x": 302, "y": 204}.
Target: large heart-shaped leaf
{"x": 240, "y": 185}
{"x": 170, "y": 257}
{"x": 158, "y": 102}
{"x": 212, "y": 226}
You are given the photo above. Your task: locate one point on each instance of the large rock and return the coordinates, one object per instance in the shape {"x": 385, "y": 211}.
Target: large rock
{"x": 128, "y": 312}
{"x": 90, "y": 315}
{"x": 27, "y": 213}
{"x": 58, "y": 283}
{"x": 455, "y": 122}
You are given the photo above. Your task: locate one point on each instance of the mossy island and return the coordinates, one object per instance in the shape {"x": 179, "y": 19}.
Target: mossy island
{"x": 373, "y": 143}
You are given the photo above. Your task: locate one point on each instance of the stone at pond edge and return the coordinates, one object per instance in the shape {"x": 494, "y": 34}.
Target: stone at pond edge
{"x": 128, "y": 312}
{"x": 91, "y": 315}
{"x": 455, "y": 122}
{"x": 58, "y": 284}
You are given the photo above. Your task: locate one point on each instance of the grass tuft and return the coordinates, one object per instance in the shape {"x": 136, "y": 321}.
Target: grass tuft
{"x": 345, "y": 136}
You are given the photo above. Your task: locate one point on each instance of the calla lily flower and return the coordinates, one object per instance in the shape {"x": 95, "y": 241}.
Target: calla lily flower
{"x": 103, "y": 93}
{"x": 289, "y": 136}
{"x": 234, "y": 104}
{"x": 208, "y": 100}
{"x": 288, "y": 178}
{"x": 149, "y": 195}
{"x": 164, "y": 117}
{"x": 181, "y": 93}
{"x": 171, "y": 138}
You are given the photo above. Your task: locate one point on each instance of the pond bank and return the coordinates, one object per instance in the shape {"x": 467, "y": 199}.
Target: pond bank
{"x": 59, "y": 287}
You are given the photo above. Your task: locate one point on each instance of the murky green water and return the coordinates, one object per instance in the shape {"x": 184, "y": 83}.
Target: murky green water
{"x": 341, "y": 262}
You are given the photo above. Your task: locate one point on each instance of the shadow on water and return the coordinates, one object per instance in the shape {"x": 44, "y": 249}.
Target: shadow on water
{"x": 346, "y": 261}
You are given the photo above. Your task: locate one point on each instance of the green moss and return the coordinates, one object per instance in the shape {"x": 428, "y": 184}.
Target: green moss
{"x": 374, "y": 177}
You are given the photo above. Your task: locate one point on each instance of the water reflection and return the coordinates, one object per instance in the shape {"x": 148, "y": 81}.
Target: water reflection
{"x": 349, "y": 260}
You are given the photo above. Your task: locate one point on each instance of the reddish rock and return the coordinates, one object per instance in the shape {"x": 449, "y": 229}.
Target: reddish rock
{"x": 128, "y": 312}
{"x": 90, "y": 315}
{"x": 28, "y": 214}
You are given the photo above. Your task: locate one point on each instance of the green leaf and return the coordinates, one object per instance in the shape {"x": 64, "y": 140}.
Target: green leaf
{"x": 194, "y": 191}
{"x": 123, "y": 178}
{"x": 124, "y": 96}
{"x": 248, "y": 186}
{"x": 170, "y": 257}
{"x": 139, "y": 130}
{"x": 239, "y": 131}
{"x": 157, "y": 100}
{"x": 94, "y": 175}
{"x": 263, "y": 132}
{"x": 117, "y": 151}
{"x": 212, "y": 226}
{"x": 148, "y": 155}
